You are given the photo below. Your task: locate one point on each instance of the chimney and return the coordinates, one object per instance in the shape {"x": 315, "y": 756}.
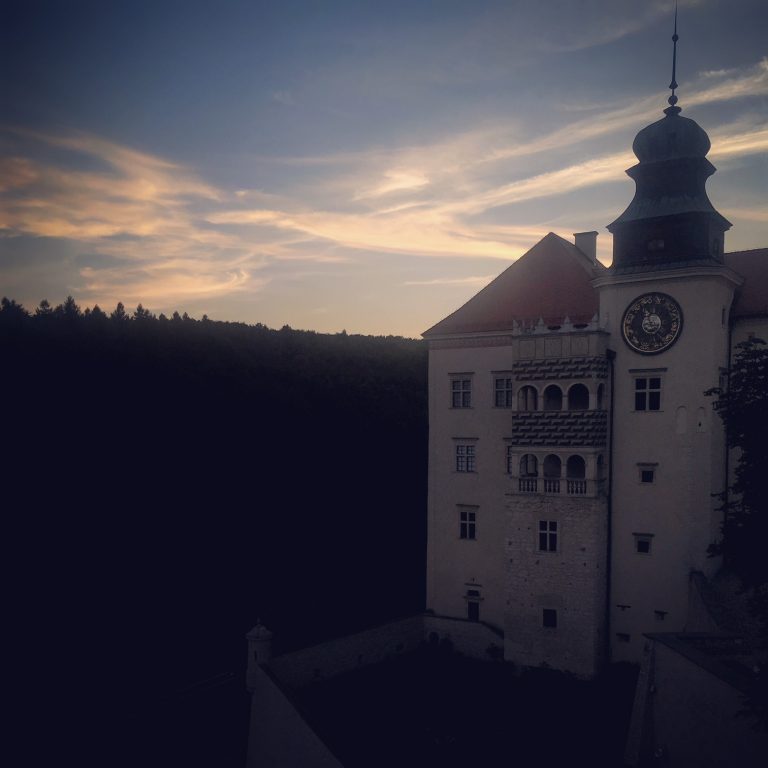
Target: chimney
{"x": 586, "y": 242}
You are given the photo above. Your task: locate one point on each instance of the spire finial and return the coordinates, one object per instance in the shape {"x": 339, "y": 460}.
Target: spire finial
{"x": 673, "y": 98}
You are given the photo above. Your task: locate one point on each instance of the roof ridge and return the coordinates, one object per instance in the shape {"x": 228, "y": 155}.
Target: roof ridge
{"x": 746, "y": 250}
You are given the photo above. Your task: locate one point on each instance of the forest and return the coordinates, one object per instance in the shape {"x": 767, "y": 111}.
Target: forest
{"x": 176, "y": 479}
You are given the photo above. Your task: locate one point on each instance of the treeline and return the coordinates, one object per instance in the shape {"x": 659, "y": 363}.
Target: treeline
{"x": 179, "y": 478}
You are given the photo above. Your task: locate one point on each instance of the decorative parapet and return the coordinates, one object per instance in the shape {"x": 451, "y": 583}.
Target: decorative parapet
{"x": 560, "y": 428}
{"x": 561, "y": 368}
{"x": 557, "y": 486}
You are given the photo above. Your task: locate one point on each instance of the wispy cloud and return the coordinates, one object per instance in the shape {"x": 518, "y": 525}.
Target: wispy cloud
{"x": 469, "y": 280}
{"x": 156, "y": 231}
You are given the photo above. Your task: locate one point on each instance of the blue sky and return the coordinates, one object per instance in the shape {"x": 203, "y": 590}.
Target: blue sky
{"x": 358, "y": 165}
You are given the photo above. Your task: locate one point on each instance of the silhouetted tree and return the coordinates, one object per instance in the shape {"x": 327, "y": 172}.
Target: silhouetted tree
{"x": 743, "y": 407}
{"x": 119, "y": 315}
{"x": 44, "y": 309}
{"x": 12, "y": 314}
{"x": 142, "y": 315}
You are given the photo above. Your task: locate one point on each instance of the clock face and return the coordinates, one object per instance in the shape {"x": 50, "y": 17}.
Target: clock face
{"x": 652, "y": 323}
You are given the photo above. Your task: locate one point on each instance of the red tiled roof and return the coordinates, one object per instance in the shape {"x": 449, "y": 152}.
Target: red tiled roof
{"x": 551, "y": 281}
{"x": 752, "y": 297}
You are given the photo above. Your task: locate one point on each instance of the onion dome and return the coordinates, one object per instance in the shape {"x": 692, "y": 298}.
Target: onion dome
{"x": 670, "y": 221}
{"x": 670, "y": 138}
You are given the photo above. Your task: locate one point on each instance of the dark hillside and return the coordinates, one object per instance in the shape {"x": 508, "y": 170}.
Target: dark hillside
{"x": 174, "y": 479}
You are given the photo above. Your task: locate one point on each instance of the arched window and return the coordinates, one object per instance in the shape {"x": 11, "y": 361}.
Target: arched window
{"x": 575, "y": 468}
{"x": 600, "y": 395}
{"x": 552, "y": 469}
{"x": 575, "y": 473}
{"x": 527, "y": 399}
{"x": 578, "y": 398}
{"x": 529, "y": 466}
{"x": 553, "y": 398}
{"x": 552, "y": 466}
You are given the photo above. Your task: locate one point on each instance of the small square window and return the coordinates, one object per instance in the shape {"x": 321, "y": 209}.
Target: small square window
{"x": 622, "y": 637}
{"x": 461, "y": 393}
{"x": 646, "y": 475}
{"x": 643, "y": 543}
{"x": 503, "y": 392}
{"x": 549, "y": 618}
{"x": 467, "y": 524}
{"x": 660, "y": 615}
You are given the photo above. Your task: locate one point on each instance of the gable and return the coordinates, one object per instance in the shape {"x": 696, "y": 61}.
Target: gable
{"x": 552, "y": 281}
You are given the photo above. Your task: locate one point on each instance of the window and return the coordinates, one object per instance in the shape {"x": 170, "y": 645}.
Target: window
{"x": 648, "y": 393}
{"x": 578, "y": 398}
{"x": 465, "y": 458}
{"x": 643, "y": 543}
{"x": 549, "y": 618}
{"x": 548, "y": 535}
{"x": 527, "y": 399}
{"x": 503, "y": 393}
{"x": 622, "y": 637}
{"x": 647, "y": 475}
{"x": 552, "y": 472}
{"x": 461, "y": 393}
{"x": 529, "y": 466}
{"x": 660, "y": 615}
{"x": 553, "y": 398}
{"x": 473, "y": 604}
{"x": 467, "y": 523}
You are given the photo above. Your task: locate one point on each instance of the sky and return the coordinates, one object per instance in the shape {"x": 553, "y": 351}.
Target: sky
{"x": 330, "y": 165}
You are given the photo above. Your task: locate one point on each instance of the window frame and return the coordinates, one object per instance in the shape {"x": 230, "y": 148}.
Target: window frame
{"x": 468, "y": 523}
{"x": 548, "y": 536}
{"x": 648, "y": 395}
{"x": 643, "y": 538}
{"x": 465, "y": 458}
{"x": 505, "y": 393}
{"x": 461, "y": 390}
{"x": 549, "y": 618}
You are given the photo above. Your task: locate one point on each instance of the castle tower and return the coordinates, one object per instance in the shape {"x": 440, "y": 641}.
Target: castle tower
{"x": 665, "y": 301}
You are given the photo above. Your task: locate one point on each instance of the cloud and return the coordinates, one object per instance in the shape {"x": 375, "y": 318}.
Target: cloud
{"x": 153, "y": 230}
{"x": 469, "y": 280}
{"x": 396, "y": 180}
{"x": 284, "y": 97}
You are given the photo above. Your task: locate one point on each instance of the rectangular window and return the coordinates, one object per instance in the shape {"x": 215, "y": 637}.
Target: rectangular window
{"x": 465, "y": 458}
{"x": 549, "y": 618}
{"x": 503, "y": 393}
{"x": 643, "y": 543}
{"x": 646, "y": 475}
{"x": 467, "y": 524}
{"x": 622, "y": 637}
{"x": 461, "y": 393}
{"x": 548, "y": 535}
{"x": 648, "y": 393}
{"x": 473, "y": 604}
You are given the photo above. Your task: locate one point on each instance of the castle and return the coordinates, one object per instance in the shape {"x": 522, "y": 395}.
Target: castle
{"x": 575, "y": 463}
{"x": 574, "y": 457}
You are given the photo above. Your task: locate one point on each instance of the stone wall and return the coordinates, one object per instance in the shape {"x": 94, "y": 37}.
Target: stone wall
{"x": 689, "y": 708}
{"x": 571, "y": 581}
{"x": 278, "y": 735}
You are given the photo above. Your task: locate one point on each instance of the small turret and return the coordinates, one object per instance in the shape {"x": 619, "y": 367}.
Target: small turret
{"x": 259, "y": 651}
